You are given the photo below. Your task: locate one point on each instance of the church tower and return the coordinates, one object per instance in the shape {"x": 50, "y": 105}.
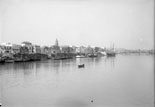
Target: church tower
{"x": 56, "y": 43}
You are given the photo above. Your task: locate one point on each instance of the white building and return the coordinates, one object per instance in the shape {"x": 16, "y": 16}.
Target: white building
{"x": 7, "y": 47}
{"x": 36, "y": 49}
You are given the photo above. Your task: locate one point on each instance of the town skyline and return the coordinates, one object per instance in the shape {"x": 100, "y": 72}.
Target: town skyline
{"x": 126, "y": 24}
{"x": 56, "y": 43}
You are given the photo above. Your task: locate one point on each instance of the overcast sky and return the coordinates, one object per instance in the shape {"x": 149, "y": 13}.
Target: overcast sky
{"x": 126, "y": 23}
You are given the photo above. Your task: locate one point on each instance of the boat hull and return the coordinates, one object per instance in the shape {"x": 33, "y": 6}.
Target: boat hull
{"x": 111, "y": 54}
{"x": 9, "y": 61}
{"x": 81, "y": 66}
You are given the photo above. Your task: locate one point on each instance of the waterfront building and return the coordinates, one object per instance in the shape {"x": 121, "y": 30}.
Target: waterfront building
{"x": 66, "y": 52}
{"x": 66, "y": 49}
{"x": 28, "y": 45}
{"x": 102, "y": 49}
{"x": 82, "y": 49}
{"x": 16, "y": 48}
{"x": 96, "y": 49}
{"x": 89, "y": 50}
{"x": 77, "y": 50}
{"x": 7, "y": 47}
{"x": 73, "y": 49}
{"x": 36, "y": 49}
{"x": 24, "y": 50}
{"x": 1, "y": 51}
{"x": 45, "y": 50}
{"x": 99, "y": 49}
{"x": 55, "y": 49}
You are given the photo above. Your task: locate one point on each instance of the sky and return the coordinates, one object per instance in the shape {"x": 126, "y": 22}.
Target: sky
{"x": 124, "y": 23}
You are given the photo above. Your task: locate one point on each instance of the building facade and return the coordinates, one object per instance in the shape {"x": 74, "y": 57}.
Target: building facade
{"x": 28, "y": 45}
{"x": 1, "y": 51}
{"x": 89, "y": 50}
{"x": 7, "y": 48}
{"x": 24, "y": 50}
{"x": 45, "y": 50}
{"x": 36, "y": 49}
{"x": 55, "y": 49}
{"x": 16, "y": 48}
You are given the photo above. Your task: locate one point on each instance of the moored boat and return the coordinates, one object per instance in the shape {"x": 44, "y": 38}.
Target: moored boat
{"x": 80, "y": 66}
{"x": 80, "y": 56}
{"x": 92, "y": 55}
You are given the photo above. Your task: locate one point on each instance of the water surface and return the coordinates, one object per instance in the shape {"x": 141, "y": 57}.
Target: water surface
{"x": 121, "y": 81}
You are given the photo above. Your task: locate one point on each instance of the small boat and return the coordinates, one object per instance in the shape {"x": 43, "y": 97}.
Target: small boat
{"x": 92, "y": 55}
{"x": 80, "y": 56}
{"x": 81, "y": 66}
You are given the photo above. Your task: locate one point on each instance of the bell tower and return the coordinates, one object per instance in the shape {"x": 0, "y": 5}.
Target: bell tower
{"x": 56, "y": 43}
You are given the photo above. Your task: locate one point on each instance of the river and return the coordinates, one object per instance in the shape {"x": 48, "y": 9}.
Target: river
{"x": 121, "y": 81}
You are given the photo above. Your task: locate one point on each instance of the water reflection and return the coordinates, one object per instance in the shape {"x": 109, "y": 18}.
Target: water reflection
{"x": 109, "y": 81}
{"x": 28, "y": 68}
{"x": 111, "y": 60}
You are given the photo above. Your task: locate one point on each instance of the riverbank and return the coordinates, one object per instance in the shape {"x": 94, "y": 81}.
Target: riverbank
{"x": 58, "y": 56}
{"x": 35, "y": 57}
{"x": 38, "y": 57}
